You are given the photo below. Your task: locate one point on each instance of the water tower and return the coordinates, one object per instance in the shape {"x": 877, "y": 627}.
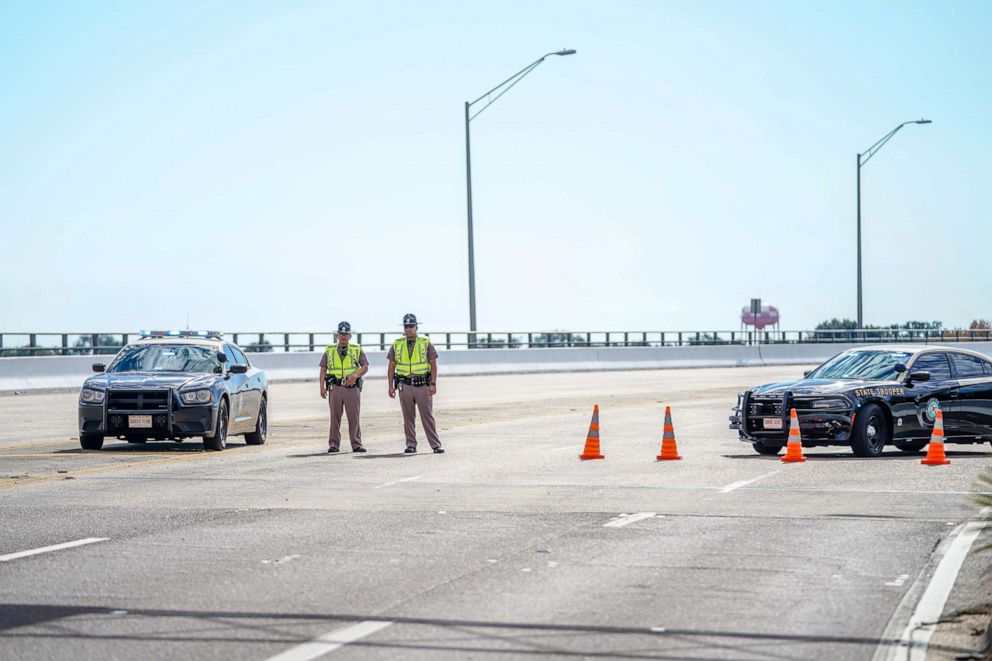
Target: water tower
{"x": 759, "y": 316}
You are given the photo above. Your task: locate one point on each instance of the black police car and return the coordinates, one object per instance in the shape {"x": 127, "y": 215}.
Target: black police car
{"x": 174, "y": 385}
{"x": 868, "y": 397}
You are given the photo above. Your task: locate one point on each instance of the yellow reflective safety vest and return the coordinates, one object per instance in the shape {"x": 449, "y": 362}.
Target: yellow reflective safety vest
{"x": 341, "y": 368}
{"x": 415, "y": 364}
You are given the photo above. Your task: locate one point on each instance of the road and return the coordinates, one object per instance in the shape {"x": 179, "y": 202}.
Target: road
{"x": 506, "y": 547}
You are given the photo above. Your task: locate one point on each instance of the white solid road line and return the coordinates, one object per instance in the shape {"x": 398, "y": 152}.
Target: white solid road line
{"x": 405, "y": 479}
{"x": 922, "y": 624}
{"x": 331, "y": 641}
{"x": 53, "y": 547}
{"x": 624, "y": 519}
{"x": 743, "y": 483}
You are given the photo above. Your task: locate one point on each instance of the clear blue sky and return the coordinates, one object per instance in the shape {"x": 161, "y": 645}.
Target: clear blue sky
{"x": 270, "y": 166}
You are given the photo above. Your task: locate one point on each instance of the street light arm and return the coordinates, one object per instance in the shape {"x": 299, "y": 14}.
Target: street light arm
{"x": 871, "y": 151}
{"x": 506, "y": 86}
{"x": 514, "y": 79}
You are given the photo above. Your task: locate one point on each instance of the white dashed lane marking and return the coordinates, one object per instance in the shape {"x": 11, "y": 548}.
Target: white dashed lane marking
{"x": 331, "y": 641}
{"x": 624, "y": 519}
{"x": 53, "y": 547}
{"x": 743, "y": 483}
{"x": 394, "y": 482}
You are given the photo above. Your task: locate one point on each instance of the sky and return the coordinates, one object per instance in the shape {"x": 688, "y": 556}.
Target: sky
{"x": 260, "y": 166}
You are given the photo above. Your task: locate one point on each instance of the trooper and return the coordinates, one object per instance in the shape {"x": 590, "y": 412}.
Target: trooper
{"x": 413, "y": 371}
{"x": 341, "y": 370}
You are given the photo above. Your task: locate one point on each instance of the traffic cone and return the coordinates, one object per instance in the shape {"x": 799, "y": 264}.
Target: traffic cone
{"x": 794, "y": 450}
{"x": 669, "y": 450}
{"x": 935, "y": 451}
{"x": 591, "y": 450}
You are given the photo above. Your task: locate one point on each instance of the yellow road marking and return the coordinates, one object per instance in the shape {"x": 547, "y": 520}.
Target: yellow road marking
{"x": 115, "y": 453}
{"x": 9, "y": 482}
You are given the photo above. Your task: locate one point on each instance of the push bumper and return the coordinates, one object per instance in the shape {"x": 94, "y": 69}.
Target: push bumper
{"x": 183, "y": 421}
{"x": 767, "y": 421}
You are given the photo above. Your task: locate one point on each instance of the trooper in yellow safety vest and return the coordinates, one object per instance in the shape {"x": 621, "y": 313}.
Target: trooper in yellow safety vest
{"x": 341, "y": 370}
{"x": 413, "y": 371}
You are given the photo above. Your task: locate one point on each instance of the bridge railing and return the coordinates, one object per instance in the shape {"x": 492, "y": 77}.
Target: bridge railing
{"x": 74, "y": 344}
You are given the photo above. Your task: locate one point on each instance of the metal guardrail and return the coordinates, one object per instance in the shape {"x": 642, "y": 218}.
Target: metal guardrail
{"x": 76, "y": 344}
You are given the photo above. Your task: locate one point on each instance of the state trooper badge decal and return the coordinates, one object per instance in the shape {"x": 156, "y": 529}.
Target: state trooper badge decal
{"x": 931, "y": 410}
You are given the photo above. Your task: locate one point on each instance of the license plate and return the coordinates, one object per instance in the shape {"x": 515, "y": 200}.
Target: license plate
{"x": 139, "y": 421}
{"x": 773, "y": 423}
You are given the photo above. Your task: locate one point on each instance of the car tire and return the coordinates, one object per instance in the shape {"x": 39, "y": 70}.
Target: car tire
{"x": 218, "y": 441}
{"x": 257, "y": 437}
{"x": 871, "y": 432}
{"x": 910, "y": 447}
{"x": 761, "y": 448}
{"x": 91, "y": 441}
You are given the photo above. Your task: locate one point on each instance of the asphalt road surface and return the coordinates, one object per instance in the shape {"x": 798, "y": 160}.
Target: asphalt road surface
{"x": 505, "y": 547}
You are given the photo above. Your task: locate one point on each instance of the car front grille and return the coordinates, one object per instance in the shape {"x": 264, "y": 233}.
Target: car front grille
{"x": 138, "y": 400}
{"x": 765, "y": 406}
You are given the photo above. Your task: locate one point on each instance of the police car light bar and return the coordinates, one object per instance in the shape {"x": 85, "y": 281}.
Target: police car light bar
{"x": 180, "y": 333}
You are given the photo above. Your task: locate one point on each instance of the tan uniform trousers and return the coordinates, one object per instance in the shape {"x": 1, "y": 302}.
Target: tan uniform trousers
{"x": 349, "y": 400}
{"x": 413, "y": 398}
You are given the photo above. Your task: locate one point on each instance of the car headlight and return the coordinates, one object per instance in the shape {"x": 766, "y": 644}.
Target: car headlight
{"x": 830, "y": 404}
{"x": 197, "y": 397}
{"x": 91, "y": 396}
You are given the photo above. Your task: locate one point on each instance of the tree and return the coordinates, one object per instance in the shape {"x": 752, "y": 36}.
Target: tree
{"x": 559, "y": 338}
{"x": 259, "y": 347}
{"x": 980, "y": 324}
{"x": 837, "y": 324}
{"x": 105, "y": 344}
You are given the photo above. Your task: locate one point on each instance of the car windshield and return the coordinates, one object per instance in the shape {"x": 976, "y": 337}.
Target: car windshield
{"x": 165, "y": 358}
{"x": 865, "y": 365}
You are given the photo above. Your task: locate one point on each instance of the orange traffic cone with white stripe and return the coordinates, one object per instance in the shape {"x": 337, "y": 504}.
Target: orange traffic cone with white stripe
{"x": 794, "y": 450}
{"x": 591, "y": 450}
{"x": 935, "y": 451}
{"x": 669, "y": 449}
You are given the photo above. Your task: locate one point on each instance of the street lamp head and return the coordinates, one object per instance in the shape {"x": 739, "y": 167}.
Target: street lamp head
{"x": 924, "y": 121}
{"x": 565, "y": 51}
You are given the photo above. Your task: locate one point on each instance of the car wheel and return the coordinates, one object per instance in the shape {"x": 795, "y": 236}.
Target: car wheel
{"x": 910, "y": 447}
{"x": 257, "y": 437}
{"x": 219, "y": 439}
{"x": 91, "y": 441}
{"x": 761, "y": 448}
{"x": 871, "y": 432}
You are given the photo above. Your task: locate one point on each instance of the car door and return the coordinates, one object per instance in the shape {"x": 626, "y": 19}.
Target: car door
{"x": 971, "y": 409}
{"x": 253, "y": 389}
{"x": 236, "y": 386}
{"x": 928, "y": 395}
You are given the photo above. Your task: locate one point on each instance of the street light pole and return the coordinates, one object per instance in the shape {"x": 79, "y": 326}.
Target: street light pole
{"x": 471, "y": 240}
{"x": 502, "y": 88}
{"x": 862, "y": 159}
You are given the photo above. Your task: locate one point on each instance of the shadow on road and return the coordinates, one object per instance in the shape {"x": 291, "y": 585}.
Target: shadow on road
{"x": 886, "y": 456}
{"x": 153, "y": 447}
{"x": 515, "y": 638}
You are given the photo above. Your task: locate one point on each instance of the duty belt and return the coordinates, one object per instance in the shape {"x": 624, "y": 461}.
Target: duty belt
{"x": 335, "y": 381}
{"x": 414, "y": 380}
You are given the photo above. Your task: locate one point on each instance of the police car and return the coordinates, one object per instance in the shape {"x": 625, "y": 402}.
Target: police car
{"x": 172, "y": 385}
{"x": 869, "y": 397}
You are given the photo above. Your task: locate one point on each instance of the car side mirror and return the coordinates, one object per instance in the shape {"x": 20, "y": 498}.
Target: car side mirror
{"x": 919, "y": 376}
{"x": 99, "y": 367}
{"x": 221, "y": 356}
{"x": 238, "y": 369}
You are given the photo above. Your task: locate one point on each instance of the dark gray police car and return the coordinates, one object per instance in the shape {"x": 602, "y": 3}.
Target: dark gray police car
{"x": 173, "y": 385}
{"x": 869, "y": 397}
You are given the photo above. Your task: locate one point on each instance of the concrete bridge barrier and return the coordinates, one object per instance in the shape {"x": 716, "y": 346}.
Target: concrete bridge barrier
{"x": 23, "y": 374}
